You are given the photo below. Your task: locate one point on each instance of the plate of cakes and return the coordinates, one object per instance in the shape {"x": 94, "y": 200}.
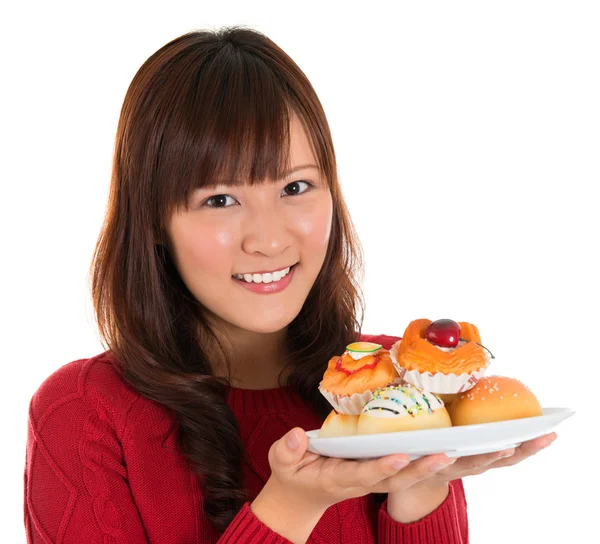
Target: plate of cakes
{"x": 428, "y": 393}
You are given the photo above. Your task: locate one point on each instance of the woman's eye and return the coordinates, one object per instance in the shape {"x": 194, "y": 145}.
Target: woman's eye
{"x": 296, "y": 188}
{"x": 220, "y": 201}
{"x": 224, "y": 201}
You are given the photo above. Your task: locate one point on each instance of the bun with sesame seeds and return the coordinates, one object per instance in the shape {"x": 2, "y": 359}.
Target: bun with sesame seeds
{"x": 494, "y": 398}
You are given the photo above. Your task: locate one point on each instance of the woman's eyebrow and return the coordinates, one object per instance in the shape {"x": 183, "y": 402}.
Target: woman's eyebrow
{"x": 210, "y": 186}
{"x": 300, "y": 167}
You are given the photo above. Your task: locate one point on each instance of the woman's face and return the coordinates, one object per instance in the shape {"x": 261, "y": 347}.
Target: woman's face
{"x": 232, "y": 243}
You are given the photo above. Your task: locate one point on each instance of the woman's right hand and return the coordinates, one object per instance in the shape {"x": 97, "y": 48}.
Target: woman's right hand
{"x": 303, "y": 484}
{"x": 324, "y": 481}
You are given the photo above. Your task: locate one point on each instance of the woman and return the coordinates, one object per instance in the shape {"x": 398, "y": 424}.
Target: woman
{"x": 223, "y": 281}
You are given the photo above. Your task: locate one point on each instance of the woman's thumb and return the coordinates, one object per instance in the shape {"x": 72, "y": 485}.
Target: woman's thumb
{"x": 291, "y": 446}
{"x": 293, "y": 439}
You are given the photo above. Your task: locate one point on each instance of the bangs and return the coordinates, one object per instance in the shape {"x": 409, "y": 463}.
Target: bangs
{"x": 227, "y": 122}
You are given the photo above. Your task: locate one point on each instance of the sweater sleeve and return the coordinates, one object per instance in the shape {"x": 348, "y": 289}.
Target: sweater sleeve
{"x": 246, "y": 528}
{"x": 76, "y": 486}
{"x": 75, "y": 479}
{"x": 447, "y": 524}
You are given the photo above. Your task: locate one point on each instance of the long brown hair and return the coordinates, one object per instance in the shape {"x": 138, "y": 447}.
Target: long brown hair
{"x": 208, "y": 106}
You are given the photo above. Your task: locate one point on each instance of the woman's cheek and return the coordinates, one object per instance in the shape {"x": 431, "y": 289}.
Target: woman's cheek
{"x": 223, "y": 239}
{"x": 315, "y": 225}
{"x": 209, "y": 249}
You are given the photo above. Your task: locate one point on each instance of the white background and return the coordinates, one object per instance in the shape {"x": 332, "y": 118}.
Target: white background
{"x": 467, "y": 136}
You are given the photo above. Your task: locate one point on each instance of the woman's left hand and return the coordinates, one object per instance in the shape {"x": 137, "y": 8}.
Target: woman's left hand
{"x": 431, "y": 482}
{"x": 478, "y": 464}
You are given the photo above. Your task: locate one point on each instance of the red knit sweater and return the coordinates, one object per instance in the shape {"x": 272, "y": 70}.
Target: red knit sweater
{"x": 102, "y": 466}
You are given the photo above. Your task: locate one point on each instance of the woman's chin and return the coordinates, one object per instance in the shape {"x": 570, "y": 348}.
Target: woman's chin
{"x": 267, "y": 327}
{"x": 269, "y": 324}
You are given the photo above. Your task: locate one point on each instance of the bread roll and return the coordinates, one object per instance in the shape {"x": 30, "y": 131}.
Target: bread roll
{"x": 494, "y": 398}
{"x": 402, "y": 408}
{"x": 448, "y": 398}
{"x": 338, "y": 425}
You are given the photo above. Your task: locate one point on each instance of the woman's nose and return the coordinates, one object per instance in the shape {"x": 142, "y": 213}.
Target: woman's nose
{"x": 265, "y": 232}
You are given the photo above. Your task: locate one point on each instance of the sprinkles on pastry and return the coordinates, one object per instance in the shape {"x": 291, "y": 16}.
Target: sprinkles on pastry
{"x": 421, "y": 403}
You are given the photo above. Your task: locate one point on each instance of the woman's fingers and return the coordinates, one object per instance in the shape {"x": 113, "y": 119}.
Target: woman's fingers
{"x": 533, "y": 446}
{"x": 442, "y": 468}
{"x": 417, "y": 471}
{"x": 526, "y": 449}
{"x": 336, "y": 473}
{"x": 382, "y": 476}
{"x": 478, "y": 464}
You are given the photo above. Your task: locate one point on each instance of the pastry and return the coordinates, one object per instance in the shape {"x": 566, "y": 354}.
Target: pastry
{"x": 444, "y": 356}
{"x": 350, "y": 379}
{"x": 402, "y": 408}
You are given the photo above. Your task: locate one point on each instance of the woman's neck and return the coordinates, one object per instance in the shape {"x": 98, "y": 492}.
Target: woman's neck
{"x": 257, "y": 359}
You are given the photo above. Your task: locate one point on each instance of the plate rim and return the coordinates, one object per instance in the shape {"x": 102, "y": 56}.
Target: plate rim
{"x": 553, "y": 411}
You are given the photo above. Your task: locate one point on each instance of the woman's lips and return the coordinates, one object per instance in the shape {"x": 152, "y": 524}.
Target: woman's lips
{"x": 268, "y": 288}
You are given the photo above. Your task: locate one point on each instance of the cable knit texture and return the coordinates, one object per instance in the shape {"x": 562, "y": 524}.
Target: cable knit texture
{"x": 102, "y": 465}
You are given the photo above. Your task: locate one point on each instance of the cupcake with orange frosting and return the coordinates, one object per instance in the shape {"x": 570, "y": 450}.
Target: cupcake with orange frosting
{"x": 442, "y": 357}
{"x": 350, "y": 379}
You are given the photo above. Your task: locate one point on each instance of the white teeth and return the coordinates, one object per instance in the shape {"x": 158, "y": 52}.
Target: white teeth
{"x": 267, "y": 277}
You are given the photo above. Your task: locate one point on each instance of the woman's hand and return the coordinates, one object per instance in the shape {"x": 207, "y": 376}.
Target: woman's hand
{"x": 303, "y": 485}
{"x": 314, "y": 482}
{"x": 432, "y": 473}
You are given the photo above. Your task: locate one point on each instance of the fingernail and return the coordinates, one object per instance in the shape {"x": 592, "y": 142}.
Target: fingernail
{"x": 399, "y": 463}
{"x": 292, "y": 440}
{"x": 506, "y": 454}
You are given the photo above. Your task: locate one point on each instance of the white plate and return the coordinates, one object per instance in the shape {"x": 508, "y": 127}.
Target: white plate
{"x": 453, "y": 441}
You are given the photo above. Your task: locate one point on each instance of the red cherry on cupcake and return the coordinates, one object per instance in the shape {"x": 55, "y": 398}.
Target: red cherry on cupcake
{"x": 444, "y": 333}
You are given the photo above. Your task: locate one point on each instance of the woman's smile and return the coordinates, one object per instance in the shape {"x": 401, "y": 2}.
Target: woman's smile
{"x": 266, "y": 283}
{"x": 264, "y": 276}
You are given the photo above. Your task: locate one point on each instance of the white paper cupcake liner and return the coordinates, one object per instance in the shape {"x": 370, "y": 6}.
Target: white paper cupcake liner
{"x": 350, "y": 404}
{"x": 438, "y": 382}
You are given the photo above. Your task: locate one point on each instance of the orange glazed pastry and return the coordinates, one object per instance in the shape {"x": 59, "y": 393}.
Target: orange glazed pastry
{"x": 444, "y": 356}
{"x": 350, "y": 379}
